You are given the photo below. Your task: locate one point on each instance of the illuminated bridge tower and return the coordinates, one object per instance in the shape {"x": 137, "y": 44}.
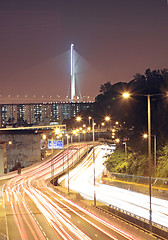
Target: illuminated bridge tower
{"x": 72, "y": 74}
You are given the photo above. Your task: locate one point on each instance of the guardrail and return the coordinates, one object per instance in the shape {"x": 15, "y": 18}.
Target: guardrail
{"x": 141, "y": 222}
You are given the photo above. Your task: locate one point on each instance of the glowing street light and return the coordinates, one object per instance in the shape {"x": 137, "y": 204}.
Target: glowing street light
{"x": 78, "y": 118}
{"x": 44, "y": 136}
{"x": 145, "y": 135}
{"x": 126, "y": 95}
{"x": 107, "y": 118}
{"x": 57, "y": 131}
{"x": 4, "y": 144}
{"x": 89, "y": 120}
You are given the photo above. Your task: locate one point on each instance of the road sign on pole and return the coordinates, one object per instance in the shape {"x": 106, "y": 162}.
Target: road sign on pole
{"x": 55, "y": 144}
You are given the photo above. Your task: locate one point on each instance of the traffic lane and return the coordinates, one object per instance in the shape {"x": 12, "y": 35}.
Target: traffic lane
{"x": 42, "y": 223}
{"x": 20, "y": 221}
{"x": 15, "y": 191}
{"x": 56, "y": 217}
{"x": 93, "y": 226}
{"x": 31, "y": 224}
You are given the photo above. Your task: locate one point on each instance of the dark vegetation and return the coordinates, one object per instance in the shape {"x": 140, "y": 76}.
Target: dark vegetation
{"x": 133, "y": 112}
{"x": 132, "y": 116}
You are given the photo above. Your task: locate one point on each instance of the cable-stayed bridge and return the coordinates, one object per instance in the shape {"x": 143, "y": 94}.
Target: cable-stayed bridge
{"x": 65, "y": 77}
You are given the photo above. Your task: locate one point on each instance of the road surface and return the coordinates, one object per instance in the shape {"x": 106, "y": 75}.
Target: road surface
{"x": 33, "y": 210}
{"x": 130, "y": 201}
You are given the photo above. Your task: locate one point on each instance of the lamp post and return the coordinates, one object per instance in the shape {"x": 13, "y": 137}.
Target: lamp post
{"x": 73, "y": 133}
{"x": 154, "y": 147}
{"x": 78, "y": 134}
{"x": 89, "y": 120}
{"x": 79, "y": 119}
{"x": 94, "y": 177}
{"x": 149, "y": 155}
{"x": 102, "y": 126}
{"x": 127, "y": 95}
{"x": 94, "y": 170}
{"x": 84, "y": 134}
{"x": 68, "y": 159}
{"x": 125, "y": 150}
{"x": 107, "y": 119}
{"x": 155, "y": 154}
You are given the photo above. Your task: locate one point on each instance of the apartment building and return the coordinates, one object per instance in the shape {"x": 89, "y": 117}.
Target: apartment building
{"x": 40, "y": 113}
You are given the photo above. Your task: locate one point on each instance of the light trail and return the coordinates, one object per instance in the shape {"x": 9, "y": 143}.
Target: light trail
{"x": 130, "y": 201}
{"x": 29, "y": 193}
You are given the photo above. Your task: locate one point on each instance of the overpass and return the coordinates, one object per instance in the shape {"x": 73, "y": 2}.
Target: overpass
{"x": 36, "y": 128}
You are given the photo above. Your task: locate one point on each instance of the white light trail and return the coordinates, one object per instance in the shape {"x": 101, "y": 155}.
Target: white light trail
{"x": 81, "y": 180}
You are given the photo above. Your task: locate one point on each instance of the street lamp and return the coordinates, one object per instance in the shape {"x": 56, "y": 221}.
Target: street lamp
{"x": 84, "y": 134}
{"x": 126, "y": 155}
{"x": 68, "y": 159}
{"x": 57, "y": 131}
{"x": 44, "y": 136}
{"x": 78, "y": 119}
{"x": 127, "y": 95}
{"x": 102, "y": 124}
{"x": 73, "y": 133}
{"x": 67, "y": 140}
{"x": 89, "y": 120}
{"x": 107, "y": 119}
{"x": 4, "y": 144}
{"x": 94, "y": 178}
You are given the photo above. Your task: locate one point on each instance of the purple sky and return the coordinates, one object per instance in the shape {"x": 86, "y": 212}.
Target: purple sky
{"x": 115, "y": 39}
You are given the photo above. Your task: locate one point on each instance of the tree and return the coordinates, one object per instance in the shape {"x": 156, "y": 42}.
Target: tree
{"x": 135, "y": 164}
{"x": 162, "y": 165}
{"x": 105, "y": 87}
{"x": 134, "y": 112}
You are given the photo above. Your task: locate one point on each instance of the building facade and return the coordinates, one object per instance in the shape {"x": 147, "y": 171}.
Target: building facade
{"x": 40, "y": 113}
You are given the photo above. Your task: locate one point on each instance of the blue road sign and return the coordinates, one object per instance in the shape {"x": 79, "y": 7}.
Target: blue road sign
{"x": 55, "y": 144}
{"x": 49, "y": 144}
{"x": 59, "y": 144}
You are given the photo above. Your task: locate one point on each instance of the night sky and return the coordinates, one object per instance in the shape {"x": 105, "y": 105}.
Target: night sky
{"x": 115, "y": 39}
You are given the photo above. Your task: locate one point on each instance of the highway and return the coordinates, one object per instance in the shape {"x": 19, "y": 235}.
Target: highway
{"x": 34, "y": 210}
{"x": 130, "y": 201}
